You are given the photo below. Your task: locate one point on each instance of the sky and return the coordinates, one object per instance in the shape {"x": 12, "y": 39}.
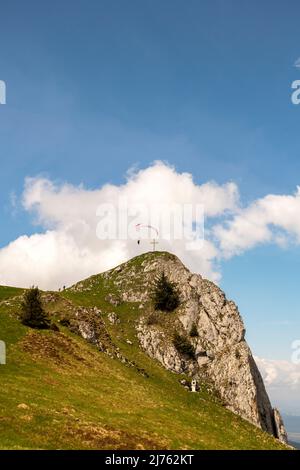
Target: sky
{"x": 107, "y": 98}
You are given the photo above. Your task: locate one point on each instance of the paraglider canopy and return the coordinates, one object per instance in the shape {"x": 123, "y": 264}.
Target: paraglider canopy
{"x": 151, "y": 229}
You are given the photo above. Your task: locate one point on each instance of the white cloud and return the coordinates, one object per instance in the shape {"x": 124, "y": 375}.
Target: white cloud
{"x": 279, "y": 372}
{"x": 282, "y": 380}
{"x": 69, "y": 250}
{"x": 273, "y": 218}
{"x": 53, "y": 259}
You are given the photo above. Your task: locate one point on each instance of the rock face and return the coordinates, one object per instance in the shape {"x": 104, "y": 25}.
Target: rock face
{"x": 222, "y": 356}
{"x": 279, "y": 426}
{"x": 113, "y": 318}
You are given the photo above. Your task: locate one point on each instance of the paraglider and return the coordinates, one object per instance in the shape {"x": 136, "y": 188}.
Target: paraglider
{"x": 150, "y": 228}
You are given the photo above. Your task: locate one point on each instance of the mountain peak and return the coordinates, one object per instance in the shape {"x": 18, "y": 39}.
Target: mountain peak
{"x": 222, "y": 356}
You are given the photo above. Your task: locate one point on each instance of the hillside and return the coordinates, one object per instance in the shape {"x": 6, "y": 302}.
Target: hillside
{"x": 91, "y": 386}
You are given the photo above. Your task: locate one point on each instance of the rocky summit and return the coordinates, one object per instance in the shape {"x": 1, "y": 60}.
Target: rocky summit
{"x": 221, "y": 357}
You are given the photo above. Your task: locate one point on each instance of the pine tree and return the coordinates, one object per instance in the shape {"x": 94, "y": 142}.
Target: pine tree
{"x": 33, "y": 313}
{"x": 165, "y": 295}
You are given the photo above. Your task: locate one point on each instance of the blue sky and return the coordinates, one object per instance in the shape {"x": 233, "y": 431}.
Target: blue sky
{"x": 94, "y": 88}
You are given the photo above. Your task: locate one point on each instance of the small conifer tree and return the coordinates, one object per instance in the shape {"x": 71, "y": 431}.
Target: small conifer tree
{"x": 33, "y": 314}
{"x": 165, "y": 295}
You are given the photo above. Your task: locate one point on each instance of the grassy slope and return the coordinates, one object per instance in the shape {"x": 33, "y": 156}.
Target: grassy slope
{"x": 60, "y": 392}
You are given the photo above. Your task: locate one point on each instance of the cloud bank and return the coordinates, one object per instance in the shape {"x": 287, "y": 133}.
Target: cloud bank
{"x": 282, "y": 380}
{"x": 68, "y": 249}
{"x": 273, "y": 218}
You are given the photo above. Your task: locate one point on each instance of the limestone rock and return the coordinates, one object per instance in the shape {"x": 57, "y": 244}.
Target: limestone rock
{"x": 222, "y": 356}
{"x": 113, "y": 299}
{"x": 23, "y": 406}
{"x": 279, "y": 426}
{"x": 113, "y": 318}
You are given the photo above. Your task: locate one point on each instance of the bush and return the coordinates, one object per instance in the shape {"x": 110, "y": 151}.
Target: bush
{"x": 194, "y": 331}
{"x": 183, "y": 345}
{"x": 152, "y": 319}
{"x": 165, "y": 295}
{"x": 237, "y": 354}
{"x": 64, "y": 322}
{"x": 33, "y": 314}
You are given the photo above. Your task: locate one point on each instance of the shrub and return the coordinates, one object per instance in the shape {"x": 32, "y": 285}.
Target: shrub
{"x": 64, "y": 322}
{"x": 54, "y": 327}
{"x": 152, "y": 319}
{"x": 183, "y": 345}
{"x": 237, "y": 354}
{"x": 165, "y": 295}
{"x": 33, "y": 314}
{"x": 194, "y": 331}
